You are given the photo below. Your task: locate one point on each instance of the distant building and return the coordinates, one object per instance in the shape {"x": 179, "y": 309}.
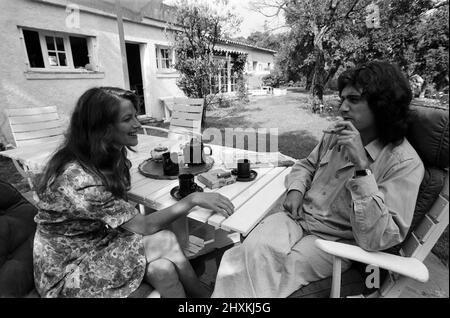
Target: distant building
{"x": 52, "y": 51}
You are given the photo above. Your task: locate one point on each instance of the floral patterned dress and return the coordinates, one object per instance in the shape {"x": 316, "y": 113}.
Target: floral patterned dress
{"x": 79, "y": 248}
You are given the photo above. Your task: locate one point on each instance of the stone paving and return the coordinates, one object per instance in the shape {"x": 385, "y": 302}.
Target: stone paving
{"x": 436, "y": 287}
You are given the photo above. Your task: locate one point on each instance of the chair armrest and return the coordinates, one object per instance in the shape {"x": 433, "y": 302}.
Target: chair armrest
{"x": 9, "y": 146}
{"x": 407, "y": 266}
{"x": 180, "y": 134}
{"x": 183, "y": 133}
{"x": 154, "y": 128}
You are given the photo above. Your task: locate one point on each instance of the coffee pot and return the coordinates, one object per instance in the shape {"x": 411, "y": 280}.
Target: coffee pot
{"x": 194, "y": 152}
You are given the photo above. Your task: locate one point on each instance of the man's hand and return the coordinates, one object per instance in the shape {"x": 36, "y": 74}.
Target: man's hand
{"x": 293, "y": 203}
{"x": 212, "y": 201}
{"x": 349, "y": 139}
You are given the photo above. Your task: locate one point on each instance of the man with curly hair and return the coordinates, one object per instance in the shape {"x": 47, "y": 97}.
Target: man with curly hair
{"x": 359, "y": 185}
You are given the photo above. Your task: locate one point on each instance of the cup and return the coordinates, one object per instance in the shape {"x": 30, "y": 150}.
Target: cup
{"x": 186, "y": 184}
{"x": 243, "y": 168}
{"x": 170, "y": 163}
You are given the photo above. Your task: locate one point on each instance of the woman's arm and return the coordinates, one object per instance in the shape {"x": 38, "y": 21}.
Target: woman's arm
{"x": 156, "y": 221}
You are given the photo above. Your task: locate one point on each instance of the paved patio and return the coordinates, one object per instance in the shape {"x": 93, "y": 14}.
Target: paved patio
{"x": 437, "y": 285}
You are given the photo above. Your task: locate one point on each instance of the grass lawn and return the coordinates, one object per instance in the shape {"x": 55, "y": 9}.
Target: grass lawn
{"x": 298, "y": 129}
{"x": 298, "y": 132}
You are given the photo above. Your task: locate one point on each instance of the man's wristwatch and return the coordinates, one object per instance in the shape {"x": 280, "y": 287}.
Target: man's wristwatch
{"x": 362, "y": 173}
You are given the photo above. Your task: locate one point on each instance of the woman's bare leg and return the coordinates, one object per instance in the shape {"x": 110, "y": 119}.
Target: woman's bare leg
{"x": 164, "y": 244}
{"x": 163, "y": 276}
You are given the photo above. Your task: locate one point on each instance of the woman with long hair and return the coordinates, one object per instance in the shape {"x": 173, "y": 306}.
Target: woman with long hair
{"x": 91, "y": 242}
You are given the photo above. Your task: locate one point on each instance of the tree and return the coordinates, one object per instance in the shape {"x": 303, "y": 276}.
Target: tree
{"x": 432, "y": 48}
{"x": 326, "y": 23}
{"x": 292, "y": 59}
{"x": 328, "y": 36}
{"x": 412, "y": 34}
{"x": 318, "y": 27}
{"x": 266, "y": 40}
{"x": 198, "y": 28}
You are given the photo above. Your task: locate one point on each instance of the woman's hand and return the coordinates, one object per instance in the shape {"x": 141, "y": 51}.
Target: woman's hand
{"x": 213, "y": 201}
{"x": 293, "y": 203}
{"x": 349, "y": 139}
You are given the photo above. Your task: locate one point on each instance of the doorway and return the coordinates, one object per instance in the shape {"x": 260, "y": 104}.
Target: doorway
{"x": 135, "y": 73}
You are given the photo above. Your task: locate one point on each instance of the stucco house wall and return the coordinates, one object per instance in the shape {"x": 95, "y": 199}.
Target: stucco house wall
{"x": 22, "y": 87}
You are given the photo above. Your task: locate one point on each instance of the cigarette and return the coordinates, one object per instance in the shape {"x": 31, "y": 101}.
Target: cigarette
{"x": 334, "y": 131}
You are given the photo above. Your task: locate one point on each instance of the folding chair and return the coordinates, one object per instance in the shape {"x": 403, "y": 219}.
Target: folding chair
{"x": 429, "y": 135}
{"x": 31, "y": 127}
{"x": 186, "y": 118}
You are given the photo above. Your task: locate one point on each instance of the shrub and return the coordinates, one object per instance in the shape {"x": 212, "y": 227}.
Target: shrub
{"x": 273, "y": 79}
{"x": 220, "y": 101}
{"x": 242, "y": 91}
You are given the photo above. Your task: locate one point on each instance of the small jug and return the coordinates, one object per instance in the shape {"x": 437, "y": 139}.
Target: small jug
{"x": 157, "y": 152}
{"x": 193, "y": 152}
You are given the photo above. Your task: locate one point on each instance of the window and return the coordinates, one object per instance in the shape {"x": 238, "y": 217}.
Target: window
{"x": 248, "y": 67}
{"x": 219, "y": 82}
{"x": 233, "y": 82}
{"x": 80, "y": 51}
{"x": 255, "y": 64}
{"x": 163, "y": 58}
{"x": 223, "y": 78}
{"x": 233, "y": 79}
{"x": 33, "y": 46}
{"x": 225, "y": 75}
{"x": 56, "y": 51}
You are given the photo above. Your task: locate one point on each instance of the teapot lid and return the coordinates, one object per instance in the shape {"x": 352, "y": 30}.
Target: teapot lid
{"x": 195, "y": 140}
{"x": 161, "y": 148}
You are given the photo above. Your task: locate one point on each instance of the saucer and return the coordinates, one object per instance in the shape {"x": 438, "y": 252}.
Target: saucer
{"x": 156, "y": 160}
{"x": 176, "y": 195}
{"x": 252, "y": 177}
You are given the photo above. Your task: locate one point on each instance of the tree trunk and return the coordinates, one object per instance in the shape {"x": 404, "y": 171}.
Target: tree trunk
{"x": 331, "y": 73}
{"x": 204, "y": 94}
{"x": 309, "y": 78}
{"x": 203, "y": 125}
{"x": 318, "y": 81}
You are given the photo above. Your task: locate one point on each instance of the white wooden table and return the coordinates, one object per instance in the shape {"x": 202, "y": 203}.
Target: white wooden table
{"x": 252, "y": 200}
